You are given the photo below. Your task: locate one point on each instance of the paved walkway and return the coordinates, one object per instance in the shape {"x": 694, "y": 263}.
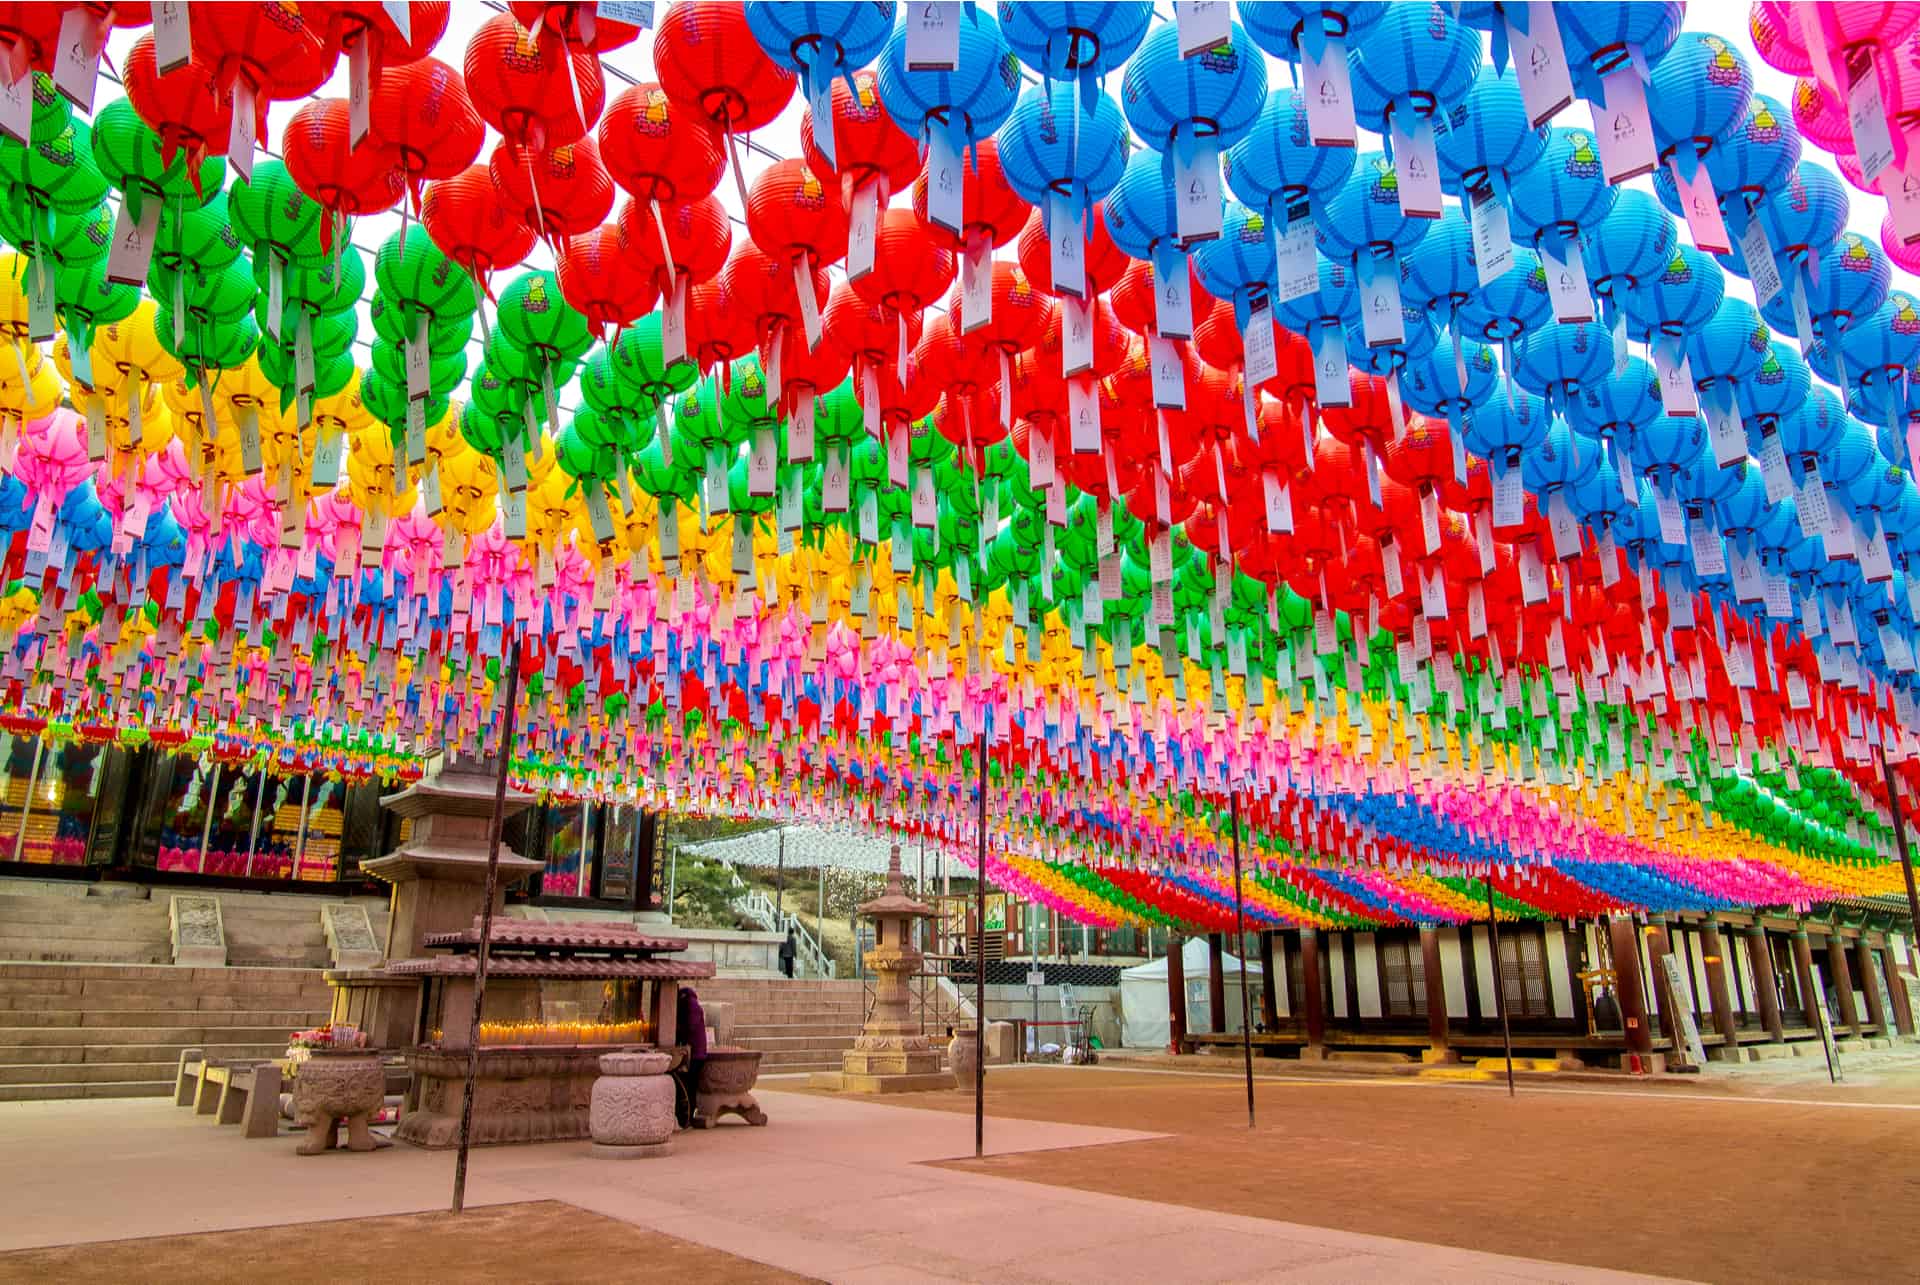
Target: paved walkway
{"x": 832, "y": 1188}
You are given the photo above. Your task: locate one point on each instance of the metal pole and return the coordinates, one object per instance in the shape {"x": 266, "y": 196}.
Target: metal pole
{"x": 206, "y": 831}
{"x": 780, "y": 877}
{"x": 1499, "y": 984}
{"x": 1240, "y": 942}
{"x": 1900, "y": 837}
{"x": 980, "y": 970}
{"x": 494, "y": 825}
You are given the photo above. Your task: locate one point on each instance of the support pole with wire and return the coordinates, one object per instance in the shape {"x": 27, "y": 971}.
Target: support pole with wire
{"x": 1240, "y": 939}
{"x": 1499, "y": 984}
{"x": 495, "y": 824}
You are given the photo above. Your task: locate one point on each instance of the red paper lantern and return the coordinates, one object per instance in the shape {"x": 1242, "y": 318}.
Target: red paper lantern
{"x": 422, "y": 111}
{"x": 709, "y": 61}
{"x": 995, "y": 212}
{"x": 872, "y": 149}
{"x": 581, "y": 25}
{"x": 765, "y": 288}
{"x": 1105, "y": 264}
{"x": 29, "y": 37}
{"x": 658, "y": 150}
{"x": 265, "y": 51}
{"x": 699, "y": 236}
{"x": 1133, "y": 300}
{"x": 912, "y": 268}
{"x": 604, "y": 280}
{"x": 345, "y": 181}
{"x": 473, "y": 224}
{"x": 794, "y": 216}
{"x": 719, "y": 329}
{"x": 559, "y": 192}
{"x": 185, "y": 107}
{"x": 346, "y": 23}
{"x": 526, "y": 88}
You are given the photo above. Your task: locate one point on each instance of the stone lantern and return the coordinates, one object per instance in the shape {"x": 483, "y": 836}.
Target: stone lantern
{"x": 891, "y": 1054}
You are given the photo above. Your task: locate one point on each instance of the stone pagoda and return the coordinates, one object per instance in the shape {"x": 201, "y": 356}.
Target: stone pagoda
{"x": 891, "y": 1054}
{"x": 439, "y": 885}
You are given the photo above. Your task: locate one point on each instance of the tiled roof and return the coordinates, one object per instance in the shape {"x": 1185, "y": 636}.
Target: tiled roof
{"x": 576, "y": 936}
{"x": 558, "y": 969}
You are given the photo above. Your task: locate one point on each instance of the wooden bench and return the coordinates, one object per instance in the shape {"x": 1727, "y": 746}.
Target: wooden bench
{"x": 248, "y": 1091}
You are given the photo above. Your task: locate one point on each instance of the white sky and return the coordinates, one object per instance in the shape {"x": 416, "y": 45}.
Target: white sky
{"x": 1725, "y": 18}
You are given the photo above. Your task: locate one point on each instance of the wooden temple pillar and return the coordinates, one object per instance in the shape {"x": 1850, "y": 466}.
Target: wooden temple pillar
{"x": 1659, "y": 946}
{"x": 1439, "y": 1049}
{"x": 1315, "y": 1017}
{"x": 1901, "y": 998}
{"x": 1876, "y": 1010}
{"x": 1842, "y": 974}
{"x": 1713, "y": 951}
{"x": 1269, "y": 992}
{"x": 1176, "y": 994}
{"x": 1217, "y": 981}
{"x": 1768, "y": 991}
{"x": 1626, "y": 970}
{"x": 1803, "y": 974}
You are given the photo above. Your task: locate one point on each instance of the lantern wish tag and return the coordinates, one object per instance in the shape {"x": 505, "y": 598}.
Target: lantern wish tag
{"x": 1627, "y": 147}
{"x": 1416, "y": 167}
{"x": 933, "y": 35}
{"x": 1328, "y": 88}
{"x": 1539, "y": 59}
{"x": 1172, "y": 293}
{"x": 172, "y": 36}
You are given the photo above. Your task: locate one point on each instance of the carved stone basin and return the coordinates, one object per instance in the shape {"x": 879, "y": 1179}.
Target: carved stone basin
{"x": 726, "y": 1086}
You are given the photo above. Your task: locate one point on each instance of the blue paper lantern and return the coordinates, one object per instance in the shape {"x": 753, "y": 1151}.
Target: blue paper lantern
{"x": 1442, "y": 276}
{"x": 1778, "y": 386}
{"x": 820, "y": 41}
{"x": 1510, "y": 305}
{"x": 1485, "y": 139}
{"x": 952, "y": 109}
{"x": 1075, "y": 38}
{"x": 1276, "y": 167}
{"x": 1432, "y": 386}
{"x": 1238, "y": 265}
{"x": 1698, "y": 94}
{"x": 1503, "y": 428}
{"x": 1564, "y": 193}
{"x": 1679, "y": 300}
{"x": 1632, "y": 245}
{"x": 1188, "y": 109}
{"x": 1557, "y": 361}
{"x": 1409, "y": 66}
{"x": 1601, "y": 37}
{"x": 1053, "y": 146}
{"x": 1747, "y": 166}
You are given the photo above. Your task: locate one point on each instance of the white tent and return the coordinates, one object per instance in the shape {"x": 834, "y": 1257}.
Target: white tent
{"x": 1144, "y": 1018}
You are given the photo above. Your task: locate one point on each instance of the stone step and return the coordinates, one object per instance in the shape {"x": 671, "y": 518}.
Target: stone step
{"x": 58, "y": 912}
{"x": 791, "y": 1030}
{"x": 37, "y": 1036}
{"x": 86, "y": 1019}
{"x": 178, "y": 1000}
{"x": 87, "y": 951}
{"x": 278, "y": 955}
{"x": 87, "y": 1072}
{"x": 101, "y": 1054}
{"x": 65, "y": 1090}
{"x": 798, "y": 1060}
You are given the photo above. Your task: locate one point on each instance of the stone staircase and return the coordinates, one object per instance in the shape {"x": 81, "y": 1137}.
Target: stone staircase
{"x": 84, "y": 929}
{"x": 116, "y": 1030}
{"x": 126, "y": 926}
{"x": 803, "y": 1026}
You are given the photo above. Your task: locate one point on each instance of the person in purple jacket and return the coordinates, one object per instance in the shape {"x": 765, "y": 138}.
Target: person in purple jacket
{"x": 691, "y": 1023}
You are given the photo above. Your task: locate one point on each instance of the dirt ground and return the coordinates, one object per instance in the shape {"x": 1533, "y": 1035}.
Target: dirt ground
{"x": 537, "y": 1241}
{"x": 1683, "y": 1184}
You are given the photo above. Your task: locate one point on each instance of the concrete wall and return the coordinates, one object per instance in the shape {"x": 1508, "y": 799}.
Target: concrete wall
{"x": 1010, "y": 1003}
